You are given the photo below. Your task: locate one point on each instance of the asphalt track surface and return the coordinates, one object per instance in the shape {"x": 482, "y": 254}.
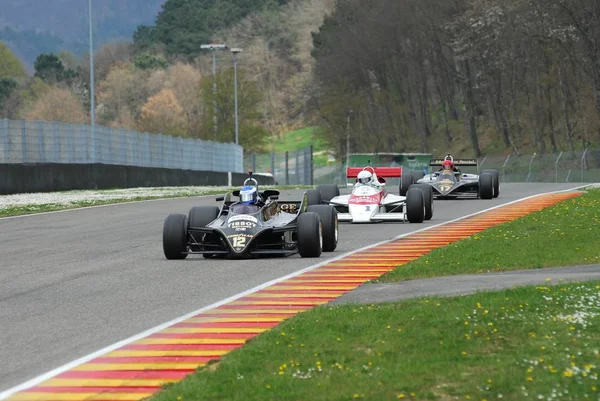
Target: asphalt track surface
{"x": 74, "y": 282}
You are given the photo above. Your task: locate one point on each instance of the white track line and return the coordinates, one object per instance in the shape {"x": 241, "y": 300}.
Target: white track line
{"x": 55, "y": 372}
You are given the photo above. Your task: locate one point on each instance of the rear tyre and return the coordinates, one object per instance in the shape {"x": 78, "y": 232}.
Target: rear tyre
{"x": 427, "y": 199}
{"x": 496, "y": 180}
{"x": 175, "y": 236}
{"x": 329, "y": 220}
{"x": 328, "y": 191}
{"x": 406, "y": 181}
{"x": 201, "y": 216}
{"x": 313, "y": 197}
{"x": 415, "y": 206}
{"x": 417, "y": 175}
{"x": 486, "y": 186}
{"x": 310, "y": 238}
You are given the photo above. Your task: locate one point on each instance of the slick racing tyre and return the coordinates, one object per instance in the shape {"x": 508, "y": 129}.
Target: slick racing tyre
{"x": 486, "y": 186}
{"x": 417, "y": 175}
{"x": 201, "y": 216}
{"x": 406, "y": 181}
{"x": 329, "y": 220}
{"x": 415, "y": 205}
{"x": 328, "y": 191}
{"x": 310, "y": 235}
{"x": 313, "y": 197}
{"x": 496, "y": 180}
{"x": 175, "y": 236}
{"x": 427, "y": 199}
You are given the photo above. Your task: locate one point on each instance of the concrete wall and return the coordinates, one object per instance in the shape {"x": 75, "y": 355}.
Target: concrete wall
{"x": 47, "y": 177}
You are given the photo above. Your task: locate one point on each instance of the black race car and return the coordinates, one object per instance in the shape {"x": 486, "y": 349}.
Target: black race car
{"x": 238, "y": 230}
{"x": 450, "y": 183}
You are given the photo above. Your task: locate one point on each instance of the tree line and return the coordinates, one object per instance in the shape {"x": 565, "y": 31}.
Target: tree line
{"x": 496, "y": 75}
{"x": 148, "y": 85}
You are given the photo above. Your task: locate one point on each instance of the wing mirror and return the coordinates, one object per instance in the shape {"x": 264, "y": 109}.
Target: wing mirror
{"x": 220, "y": 198}
{"x": 274, "y": 197}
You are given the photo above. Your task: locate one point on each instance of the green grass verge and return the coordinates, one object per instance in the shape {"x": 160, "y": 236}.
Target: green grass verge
{"x": 528, "y": 343}
{"x": 52, "y": 207}
{"x": 561, "y": 235}
{"x": 298, "y": 139}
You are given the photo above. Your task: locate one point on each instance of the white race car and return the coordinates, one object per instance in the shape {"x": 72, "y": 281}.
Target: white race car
{"x": 371, "y": 203}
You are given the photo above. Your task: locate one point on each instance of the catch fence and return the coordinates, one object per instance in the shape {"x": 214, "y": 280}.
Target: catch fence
{"x": 25, "y": 142}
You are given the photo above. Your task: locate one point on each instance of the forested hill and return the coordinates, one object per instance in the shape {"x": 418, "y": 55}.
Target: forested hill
{"x": 183, "y": 25}
{"x": 30, "y": 29}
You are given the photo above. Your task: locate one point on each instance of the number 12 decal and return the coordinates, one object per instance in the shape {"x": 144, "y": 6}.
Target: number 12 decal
{"x": 239, "y": 242}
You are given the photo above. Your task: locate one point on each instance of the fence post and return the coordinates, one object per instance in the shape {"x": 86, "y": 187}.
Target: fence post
{"x": 556, "y": 166}
{"x": 4, "y": 134}
{"x": 504, "y": 168}
{"x": 530, "y": 162}
{"x": 480, "y": 165}
{"x": 568, "y": 175}
{"x": 583, "y": 163}
{"x": 298, "y": 167}
{"x": 24, "y": 142}
{"x": 312, "y": 166}
{"x": 273, "y": 166}
{"x": 287, "y": 168}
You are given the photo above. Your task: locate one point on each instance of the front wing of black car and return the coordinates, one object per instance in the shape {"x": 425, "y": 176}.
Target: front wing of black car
{"x": 265, "y": 241}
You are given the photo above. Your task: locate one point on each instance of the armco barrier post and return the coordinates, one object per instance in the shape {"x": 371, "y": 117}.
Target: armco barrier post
{"x": 530, "y": 163}
{"x": 583, "y": 163}
{"x": 556, "y": 166}
{"x": 504, "y": 168}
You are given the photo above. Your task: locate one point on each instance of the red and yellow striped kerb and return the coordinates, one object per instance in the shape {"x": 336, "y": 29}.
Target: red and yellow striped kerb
{"x": 138, "y": 369}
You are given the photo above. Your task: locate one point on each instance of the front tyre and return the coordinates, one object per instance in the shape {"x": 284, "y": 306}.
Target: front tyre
{"x": 310, "y": 235}
{"x": 415, "y": 205}
{"x": 175, "y": 236}
{"x": 486, "y": 186}
{"x": 427, "y": 199}
{"x": 496, "y": 175}
{"x": 329, "y": 220}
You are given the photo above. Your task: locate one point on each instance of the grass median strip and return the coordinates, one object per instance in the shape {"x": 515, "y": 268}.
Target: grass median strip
{"x": 561, "y": 235}
{"x": 528, "y": 343}
{"x": 21, "y": 204}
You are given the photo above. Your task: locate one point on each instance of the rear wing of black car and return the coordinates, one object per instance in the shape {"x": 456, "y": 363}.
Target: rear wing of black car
{"x": 457, "y": 162}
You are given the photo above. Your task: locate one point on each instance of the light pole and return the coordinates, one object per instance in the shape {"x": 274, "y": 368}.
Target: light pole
{"x": 92, "y": 100}
{"x": 235, "y": 51}
{"x": 214, "y": 47}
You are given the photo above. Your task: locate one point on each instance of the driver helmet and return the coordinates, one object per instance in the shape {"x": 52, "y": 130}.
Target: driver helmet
{"x": 447, "y": 165}
{"x": 364, "y": 177}
{"x": 248, "y": 195}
